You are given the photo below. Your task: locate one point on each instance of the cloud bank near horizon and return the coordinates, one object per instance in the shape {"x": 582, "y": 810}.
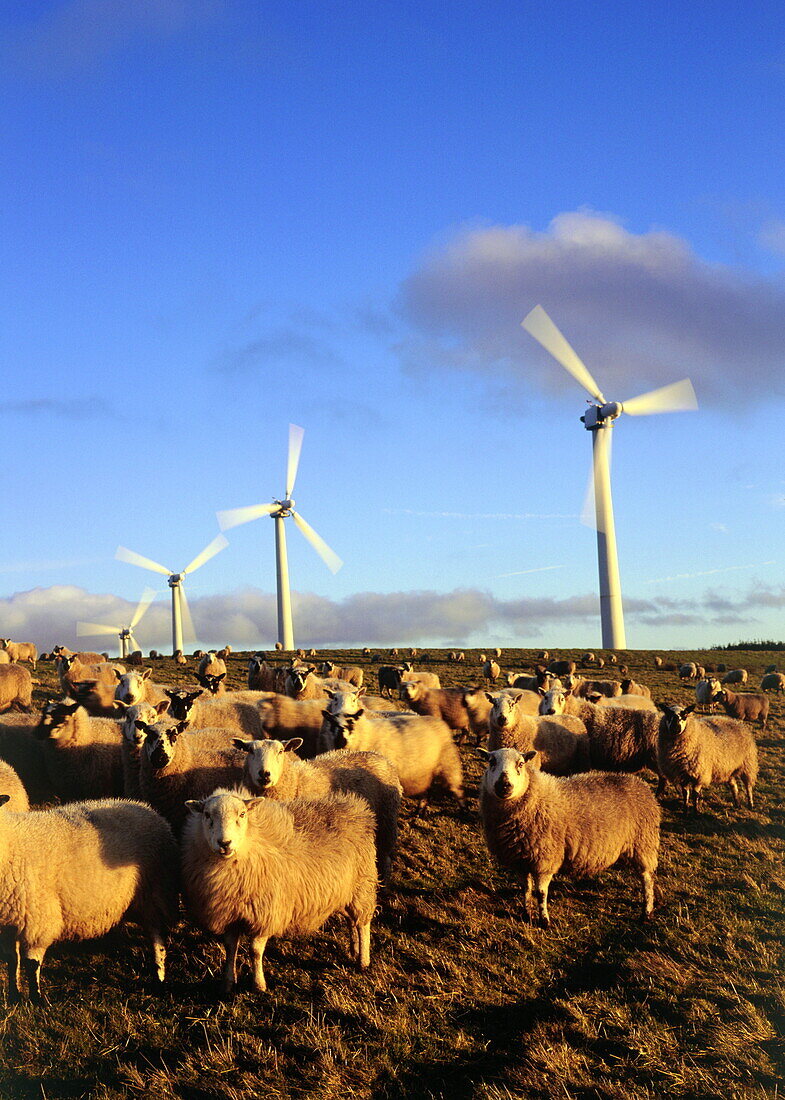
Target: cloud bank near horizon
{"x": 246, "y": 618}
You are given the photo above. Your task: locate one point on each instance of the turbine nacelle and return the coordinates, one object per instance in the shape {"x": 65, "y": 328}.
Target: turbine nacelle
{"x": 285, "y": 508}
{"x": 175, "y": 580}
{"x": 596, "y": 416}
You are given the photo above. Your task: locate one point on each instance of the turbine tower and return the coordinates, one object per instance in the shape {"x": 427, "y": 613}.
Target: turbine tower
{"x": 128, "y": 642}
{"x": 280, "y": 510}
{"x": 180, "y": 611}
{"x": 598, "y": 419}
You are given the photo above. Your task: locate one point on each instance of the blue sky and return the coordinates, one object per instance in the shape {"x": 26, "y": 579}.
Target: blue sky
{"x": 218, "y": 219}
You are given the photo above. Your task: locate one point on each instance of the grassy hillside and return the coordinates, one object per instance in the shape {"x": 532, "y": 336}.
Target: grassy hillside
{"x": 463, "y": 999}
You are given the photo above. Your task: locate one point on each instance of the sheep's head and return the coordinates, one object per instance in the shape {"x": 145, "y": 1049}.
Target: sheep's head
{"x": 160, "y": 742}
{"x": 342, "y": 724}
{"x": 130, "y": 686}
{"x": 503, "y": 709}
{"x": 506, "y": 773}
{"x": 266, "y": 760}
{"x": 674, "y": 720}
{"x": 224, "y": 817}
{"x": 298, "y": 678}
{"x": 139, "y": 712}
{"x": 411, "y": 691}
{"x": 181, "y": 702}
{"x": 55, "y": 717}
{"x": 552, "y": 702}
{"x": 211, "y": 683}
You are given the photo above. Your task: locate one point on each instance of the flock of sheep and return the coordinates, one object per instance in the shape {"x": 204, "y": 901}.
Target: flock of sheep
{"x": 273, "y": 808}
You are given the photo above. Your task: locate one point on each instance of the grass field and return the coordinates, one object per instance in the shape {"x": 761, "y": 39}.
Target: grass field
{"x": 463, "y": 999}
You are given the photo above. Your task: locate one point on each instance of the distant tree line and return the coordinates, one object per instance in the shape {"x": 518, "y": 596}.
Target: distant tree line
{"x": 758, "y": 643}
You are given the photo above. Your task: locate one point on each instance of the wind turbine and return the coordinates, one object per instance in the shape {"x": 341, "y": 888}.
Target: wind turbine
{"x": 598, "y": 419}
{"x": 180, "y": 610}
{"x": 124, "y": 633}
{"x": 281, "y": 510}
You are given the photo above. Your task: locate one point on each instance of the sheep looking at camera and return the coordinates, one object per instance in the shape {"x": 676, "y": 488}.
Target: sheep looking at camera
{"x": 562, "y": 742}
{"x": 695, "y": 752}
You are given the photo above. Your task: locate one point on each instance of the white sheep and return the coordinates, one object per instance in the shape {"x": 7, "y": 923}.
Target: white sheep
{"x": 773, "y": 681}
{"x": 19, "y": 651}
{"x": 273, "y": 770}
{"x": 16, "y": 688}
{"x": 13, "y": 796}
{"x": 538, "y": 824}
{"x": 350, "y": 674}
{"x": 478, "y": 707}
{"x": 694, "y": 752}
{"x": 491, "y": 670}
{"x": 236, "y": 712}
{"x": 211, "y": 665}
{"x": 83, "y": 755}
{"x": 133, "y": 741}
{"x": 74, "y": 872}
{"x": 688, "y": 671}
{"x": 735, "y": 676}
{"x": 274, "y": 869}
{"x": 561, "y": 741}
{"x": 705, "y": 690}
{"x": 138, "y": 687}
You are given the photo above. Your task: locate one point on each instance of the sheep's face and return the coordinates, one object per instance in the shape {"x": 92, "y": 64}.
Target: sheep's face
{"x": 503, "y": 711}
{"x": 54, "y": 719}
{"x": 160, "y": 743}
{"x": 265, "y": 763}
{"x": 673, "y": 722}
{"x": 224, "y": 822}
{"x": 298, "y": 677}
{"x": 552, "y": 702}
{"x": 411, "y": 691}
{"x": 340, "y": 701}
{"x": 327, "y": 668}
{"x": 181, "y": 703}
{"x": 139, "y": 712}
{"x": 343, "y": 726}
{"x": 211, "y": 683}
{"x": 130, "y": 688}
{"x": 506, "y": 775}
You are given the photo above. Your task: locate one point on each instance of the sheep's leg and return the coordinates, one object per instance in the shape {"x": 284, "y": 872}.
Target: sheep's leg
{"x": 32, "y": 961}
{"x": 541, "y": 883}
{"x": 748, "y": 791}
{"x": 363, "y": 934}
{"x": 159, "y": 954}
{"x": 258, "y": 944}
{"x": 648, "y": 894}
{"x": 696, "y": 799}
{"x": 734, "y": 789}
{"x": 11, "y": 950}
{"x": 231, "y": 942}
{"x": 662, "y": 783}
{"x": 685, "y": 798}
{"x": 527, "y": 897}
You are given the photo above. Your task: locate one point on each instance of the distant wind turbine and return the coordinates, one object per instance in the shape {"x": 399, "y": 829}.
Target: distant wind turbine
{"x": 281, "y": 510}
{"x": 128, "y": 642}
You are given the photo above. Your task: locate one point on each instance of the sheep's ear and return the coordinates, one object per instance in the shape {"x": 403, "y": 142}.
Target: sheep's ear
{"x": 146, "y": 672}
{"x": 530, "y": 755}
{"x": 246, "y": 746}
{"x": 360, "y": 692}
{"x": 292, "y": 744}
{"x": 594, "y": 696}
{"x": 181, "y": 727}
{"x": 251, "y": 802}
{"x": 490, "y": 698}
{"x": 161, "y": 708}
{"x": 359, "y": 713}
{"x": 118, "y": 674}
{"x": 483, "y": 754}
{"x": 219, "y": 678}
{"x": 195, "y": 806}
{"x": 171, "y": 694}
{"x": 541, "y": 691}
{"x": 4, "y": 798}
{"x": 688, "y": 710}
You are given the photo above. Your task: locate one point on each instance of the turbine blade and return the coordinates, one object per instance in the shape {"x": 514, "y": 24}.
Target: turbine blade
{"x": 328, "y": 556}
{"x": 86, "y": 630}
{"x": 132, "y": 558}
{"x": 133, "y": 643}
{"x": 233, "y": 517}
{"x": 677, "y": 397}
{"x": 212, "y": 548}
{"x": 147, "y": 598}
{"x": 186, "y": 619}
{"x": 539, "y": 325}
{"x": 295, "y": 446}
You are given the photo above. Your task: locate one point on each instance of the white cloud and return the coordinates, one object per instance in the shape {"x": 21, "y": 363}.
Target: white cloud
{"x": 641, "y": 310}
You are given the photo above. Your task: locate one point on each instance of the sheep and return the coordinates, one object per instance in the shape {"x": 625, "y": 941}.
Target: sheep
{"x": 136, "y": 659}
{"x": 19, "y": 651}
{"x": 223, "y": 654}
{"x": 541, "y": 679}
{"x": 427, "y": 679}
{"x": 588, "y": 659}
{"x": 302, "y": 683}
{"x": 497, "y": 653}
{"x": 13, "y": 796}
{"x": 175, "y": 767}
{"x": 366, "y": 651}
{"x": 272, "y": 770}
{"x": 538, "y": 824}
{"x": 198, "y": 654}
{"x": 611, "y": 689}
{"x": 71, "y": 671}
{"x": 393, "y": 653}
{"x": 264, "y": 677}
{"x": 211, "y": 665}
{"x": 74, "y": 872}
{"x": 735, "y": 676}
{"x": 213, "y": 685}
{"x": 350, "y": 674}
{"x": 419, "y": 746}
{"x": 83, "y": 755}
{"x": 271, "y": 869}
{"x": 179, "y": 657}
{"x": 600, "y": 662}
{"x": 613, "y": 659}
{"x": 283, "y": 717}
{"x": 478, "y": 707}
{"x": 389, "y": 679}
{"x": 744, "y": 705}
{"x": 562, "y": 668}
{"x": 154, "y": 654}
{"x": 491, "y": 671}
{"x": 412, "y": 652}
{"x": 21, "y": 748}
{"x": 694, "y": 752}
{"x": 133, "y": 742}
{"x": 137, "y": 687}
{"x": 236, "y": 712}
{"x": 631, "y": 687}
{"x": 96, "y": 696}
{"x": 773, "y": 681}
{"x": 657, "y": 662}
{"x": 562, "y": 742}
{"x": 16, "y": 688}
{"x": 688, "y": 671}
{"x": 621, "y": 738}
{"x": 278, "y": 647}
{"x": 625, "y": 702}
{"x": 4, "y": 658}
{"x": 705, "y": 690}
{"x": 444, "y": 703}
{"x": 770, "y": 668}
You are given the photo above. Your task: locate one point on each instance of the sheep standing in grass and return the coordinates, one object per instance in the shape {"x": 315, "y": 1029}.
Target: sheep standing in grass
{"x": 695, "y": 752}
{"x": 274, "y": 869}
{"x": 744, "y": 705}
{"x": 562, "y": 742}
{"x": 350, "y": 674}
{"x": 13, "y": 796}
{"x": 773, "y": 681}
{"x": 444, "y": 703}
{"x": 19, "y": 651}
{"x": 74, "y": 872}
{"x": 735, "y": 676}
{"x": 421, "y": 748}
{"x": 538, "y": 824}
{"x": 83, "y": 755}
{"x": 271, "y": 769}
{"x": 236, "y": 711}
{"x": 583, "y": 689}
{"x": 688, "y": 671}
{"x": 16, "y": 688}
{"x": 705, "y": 690}
{"x": 491, "y": 671}
{"x": 631, "y": 687}
{"x": 478, "y": 707}
{"x": 562, "y": 668}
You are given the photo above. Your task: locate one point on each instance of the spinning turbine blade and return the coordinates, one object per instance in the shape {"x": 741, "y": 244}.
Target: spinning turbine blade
{"x": 87, "y": 629}
{"x": 147, "y": 598}
{"x": 133, "y": 643}
{"x": 218, "y": 544}
{"x": 328, "y": 556}
{"x": 186, "y": 618}
{"x": 233, "y": 517}
{"x": 132, "y": 558}
{"x": 677, "y": 397}
{"x": 295, "y": 446}
{"x": 539, "y": 325}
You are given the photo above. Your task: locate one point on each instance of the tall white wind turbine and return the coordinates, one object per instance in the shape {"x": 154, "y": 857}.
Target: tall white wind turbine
{"x": 598, "y": 419}
{"x": 128, "y": 642}
{"x": 180, "y": 611}
{"x": 281, "y": 510}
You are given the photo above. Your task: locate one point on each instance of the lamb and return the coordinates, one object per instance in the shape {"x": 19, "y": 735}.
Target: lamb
{"x": 420, "y": 747}
{"x": 174, "y": 768}
{"x": 16, "y": 688}
{"x": 272, "y": 769}
{"x": 538, "y": 824}
{"x": 631, "y": 687}
{"x": 74, "y": 872}
{"x": 211, "y": 665}
{"x": 491, "y": 671}
{"x": 20, "y": 748}
{"x": 350, "y": 674}
{"x": 264, "y": 677}
{"x": 744, "y": 705}
{"x": 276, "y": 869}
{"x": 13, "y": 796}
{"x": 735, "y": 676}
{"x": 620, "y": 738}
{"x": 694, "y": 752}
{"x": 133, "y": 742}
{"x": 19, "y": 651}
{"x": 137, "y": 687}
{"x": 236, "y": 712}
{"x": 445, "y": 703}
{"x": 83, "y": 755}
{"x": 562, "y": 742}
{"x": 773, "y": 681}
